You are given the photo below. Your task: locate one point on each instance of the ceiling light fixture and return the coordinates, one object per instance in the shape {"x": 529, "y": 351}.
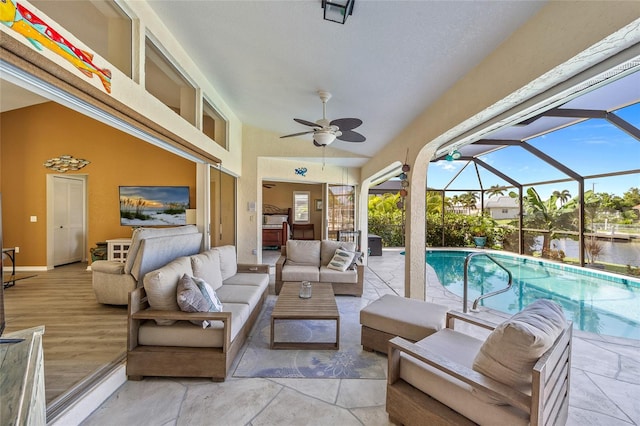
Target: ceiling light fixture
{"x": 337, "y": 10}
{"x": 65, "y": 163}
{"x": 453, "y": 155}
{"x": 324, "y": 137}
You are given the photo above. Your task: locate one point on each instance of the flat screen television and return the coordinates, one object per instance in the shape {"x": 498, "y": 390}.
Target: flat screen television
{"x": 153, "y": 205}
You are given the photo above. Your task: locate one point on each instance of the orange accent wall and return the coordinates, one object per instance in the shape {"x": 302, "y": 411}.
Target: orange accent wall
{"x": 30, "y": 136}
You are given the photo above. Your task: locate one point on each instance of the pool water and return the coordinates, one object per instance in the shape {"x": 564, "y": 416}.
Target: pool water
{"x": 595, "y": 302}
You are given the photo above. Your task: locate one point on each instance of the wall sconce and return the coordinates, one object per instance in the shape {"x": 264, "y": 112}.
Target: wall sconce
{"x": 453, "y": 155}
{"x": 337, "y": 10}
{"x": 65, "y": 163}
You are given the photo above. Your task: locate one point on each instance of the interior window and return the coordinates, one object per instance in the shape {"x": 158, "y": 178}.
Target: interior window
{"x": 167, "y": 83}
{"x": 214, "y": 124}
{"x": 301, "y": 206}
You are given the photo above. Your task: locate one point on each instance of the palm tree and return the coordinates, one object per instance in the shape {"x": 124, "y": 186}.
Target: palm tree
{"x": 562, "y": 196}
{"x": 546, "y": 215}
{"x": 495, "y": 191}
{"x": 469, "y": 200}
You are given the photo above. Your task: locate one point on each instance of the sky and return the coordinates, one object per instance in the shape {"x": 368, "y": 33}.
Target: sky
{"x": 591, "y": 147}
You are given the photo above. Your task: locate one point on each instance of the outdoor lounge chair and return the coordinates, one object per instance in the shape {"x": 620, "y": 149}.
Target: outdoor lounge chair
{"x": 518, "y": 376}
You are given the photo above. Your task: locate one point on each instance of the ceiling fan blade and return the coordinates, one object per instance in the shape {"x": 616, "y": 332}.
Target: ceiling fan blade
{"x": 307, "y": 123}
{"x": 297, "y": 134}
{"x": 346, "y": 123}
{"x": 351, "y": 136}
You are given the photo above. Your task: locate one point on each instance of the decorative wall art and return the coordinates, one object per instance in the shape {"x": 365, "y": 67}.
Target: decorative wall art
{"x": 301, "y": 171}
{"x": 41, "y": 35}
{"x": 153, "y": 205}
{"x": 65, "y": 163}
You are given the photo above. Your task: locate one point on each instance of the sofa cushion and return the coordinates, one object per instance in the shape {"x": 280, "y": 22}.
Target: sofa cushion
{"x": 183, "y": 333}
{"x": 461, "y": 349}
{"x": 300, "y": 273}
{"x": 196, "y": 295}
{"x": 228, "y": 261}
{"x": 206, "y": 265}
{"x": 350, "y": 276}
{"x": 328, "y": 249}
{"x": 161, "y": 286}
{"x": 240, "y": 294}
{"x": 512, "y": 349}
{"x": 303, "y": 253}
{"x": 250, "y": 279}
{"x": 341, "y": 260}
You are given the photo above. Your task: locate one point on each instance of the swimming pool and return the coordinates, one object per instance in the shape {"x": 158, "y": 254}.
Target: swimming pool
{"x": 596, "y": 302}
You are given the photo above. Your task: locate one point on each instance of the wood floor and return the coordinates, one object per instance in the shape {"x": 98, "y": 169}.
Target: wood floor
{"x": 81, "y": 336}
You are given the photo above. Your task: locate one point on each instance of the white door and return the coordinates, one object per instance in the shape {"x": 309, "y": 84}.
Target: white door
{"x": 68, "y": 220}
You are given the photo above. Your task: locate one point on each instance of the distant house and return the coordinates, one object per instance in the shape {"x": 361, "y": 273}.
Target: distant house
{"x": 502, "y": 207}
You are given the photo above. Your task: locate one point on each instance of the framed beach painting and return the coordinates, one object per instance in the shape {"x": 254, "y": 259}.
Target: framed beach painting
{"x": 153, "y": 205}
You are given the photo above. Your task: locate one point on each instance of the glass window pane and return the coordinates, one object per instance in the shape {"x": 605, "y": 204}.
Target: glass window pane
{"x": 301, "y": 206}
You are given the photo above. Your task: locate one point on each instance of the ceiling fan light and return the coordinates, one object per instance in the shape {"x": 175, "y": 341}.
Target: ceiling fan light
{"x": 324, "y": 138}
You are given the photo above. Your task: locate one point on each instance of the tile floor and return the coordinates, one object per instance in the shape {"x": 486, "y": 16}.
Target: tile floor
{"x": 605, "y": 384}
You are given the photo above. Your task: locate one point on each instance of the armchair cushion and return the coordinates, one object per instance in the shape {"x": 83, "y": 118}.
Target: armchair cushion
{"x": 511, "y": 350}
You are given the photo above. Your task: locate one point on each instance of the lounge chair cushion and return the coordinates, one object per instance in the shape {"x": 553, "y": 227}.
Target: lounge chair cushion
{"x": 250, "y": 279}
{"x": 512, "y": 349}
{"x": 458, "y": 348}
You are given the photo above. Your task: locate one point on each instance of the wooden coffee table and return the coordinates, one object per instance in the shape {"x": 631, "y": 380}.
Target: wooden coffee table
{"x": 321, "y": 306}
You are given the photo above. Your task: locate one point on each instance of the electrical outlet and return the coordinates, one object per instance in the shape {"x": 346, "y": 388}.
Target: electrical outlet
{"x": 33, "y": 218}
{"x": 254, "y": 251}
{"x": 17, "y": 249}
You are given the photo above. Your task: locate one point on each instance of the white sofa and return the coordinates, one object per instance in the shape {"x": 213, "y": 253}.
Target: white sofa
{"x": 150, "y": 248}
{"x": 162, "y": 340}
{"x": 308, "y": 260}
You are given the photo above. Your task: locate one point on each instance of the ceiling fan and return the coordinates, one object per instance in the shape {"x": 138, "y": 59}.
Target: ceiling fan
{"x": 325, "y": 131}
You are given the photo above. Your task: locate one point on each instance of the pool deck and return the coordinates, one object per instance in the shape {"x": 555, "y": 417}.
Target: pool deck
{"x": 605, "y": 381}
{"x": 605, "y": 371}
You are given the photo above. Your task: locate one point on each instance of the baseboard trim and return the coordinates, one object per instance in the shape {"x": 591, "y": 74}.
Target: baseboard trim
{"x": 83, "y": 399}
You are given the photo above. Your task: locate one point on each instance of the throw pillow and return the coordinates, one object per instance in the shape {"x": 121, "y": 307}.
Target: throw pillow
{"x": 511, "y": 350}
{"x": 195, "y": 295}
{"x": 341, "y": 260}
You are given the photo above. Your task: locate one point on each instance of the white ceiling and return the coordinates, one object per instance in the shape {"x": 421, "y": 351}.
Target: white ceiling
{"x": 391, "y": 60}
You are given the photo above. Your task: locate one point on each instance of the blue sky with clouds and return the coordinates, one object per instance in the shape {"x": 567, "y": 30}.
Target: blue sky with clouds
{"x": 591, "y": 147}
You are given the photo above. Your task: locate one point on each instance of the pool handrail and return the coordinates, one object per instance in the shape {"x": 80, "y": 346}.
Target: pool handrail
{"x": 465, "y": 295}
